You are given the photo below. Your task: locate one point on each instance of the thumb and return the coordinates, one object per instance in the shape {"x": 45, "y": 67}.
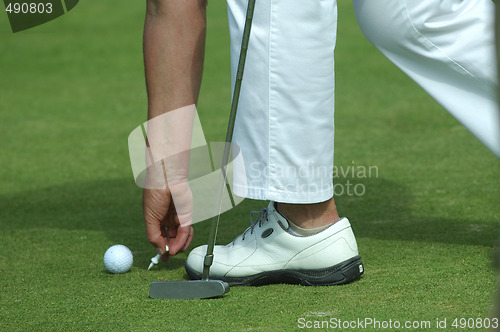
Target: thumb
{"x": 181, "y": 239}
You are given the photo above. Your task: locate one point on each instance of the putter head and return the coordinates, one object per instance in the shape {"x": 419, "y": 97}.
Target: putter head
{"x": 188, "y": 289}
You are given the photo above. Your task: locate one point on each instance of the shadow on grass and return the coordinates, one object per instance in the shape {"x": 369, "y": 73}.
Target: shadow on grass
{"x": 103, "y": 206}
{"x": 384, "y": 212}
{"x": 114, "y": 208}
{"x": 387, "y": 211}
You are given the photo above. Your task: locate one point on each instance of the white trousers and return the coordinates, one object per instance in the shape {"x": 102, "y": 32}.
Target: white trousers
{"x": 448, "y": 48}
{"x": 285, "y": 126}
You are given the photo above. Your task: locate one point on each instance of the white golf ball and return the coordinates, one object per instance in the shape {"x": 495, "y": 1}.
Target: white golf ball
{"x": 118, "y": 259}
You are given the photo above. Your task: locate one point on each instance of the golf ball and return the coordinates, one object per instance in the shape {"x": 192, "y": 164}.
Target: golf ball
{"x": 118, "y": 259}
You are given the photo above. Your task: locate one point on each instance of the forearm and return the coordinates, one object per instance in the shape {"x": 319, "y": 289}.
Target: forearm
{"x": 174, "y": 47}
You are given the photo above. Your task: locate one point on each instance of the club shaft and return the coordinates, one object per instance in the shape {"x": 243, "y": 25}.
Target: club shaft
{"x": 229, "y": 138}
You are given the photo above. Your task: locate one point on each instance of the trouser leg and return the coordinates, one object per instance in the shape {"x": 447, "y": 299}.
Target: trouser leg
{"x": 285, "y": 125}
{"x": 447, "y": 47}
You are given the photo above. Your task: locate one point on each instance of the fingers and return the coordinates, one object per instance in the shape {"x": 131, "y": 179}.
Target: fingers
{"x": 156, "y": 237}
{"x": 163, "y": 225}
{"x": 155, "y": 207}
{"x": 181, "y": 240}
{"x": 188, "y": 241}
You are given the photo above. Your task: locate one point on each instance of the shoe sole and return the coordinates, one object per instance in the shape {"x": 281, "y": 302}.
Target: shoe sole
{"x": 340, "y": 274}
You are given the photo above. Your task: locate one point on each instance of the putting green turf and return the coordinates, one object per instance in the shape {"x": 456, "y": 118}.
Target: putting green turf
{"x": 73, "y": 89}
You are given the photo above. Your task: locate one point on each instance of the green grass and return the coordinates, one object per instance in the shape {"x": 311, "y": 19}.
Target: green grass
{"x": 73, "y": 89}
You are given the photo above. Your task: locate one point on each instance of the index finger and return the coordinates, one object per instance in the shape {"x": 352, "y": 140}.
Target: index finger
{"x": 156, "y": 236}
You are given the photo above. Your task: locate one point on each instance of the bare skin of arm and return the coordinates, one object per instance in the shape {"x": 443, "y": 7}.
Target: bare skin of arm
{"x": 174, "y": 47}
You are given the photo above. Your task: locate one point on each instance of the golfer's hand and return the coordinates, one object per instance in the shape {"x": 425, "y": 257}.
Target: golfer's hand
{"x": 162, "y": 223}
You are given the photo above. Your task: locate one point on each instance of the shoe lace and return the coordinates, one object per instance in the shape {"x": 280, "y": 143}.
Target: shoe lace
{"x": 261, "y": 217}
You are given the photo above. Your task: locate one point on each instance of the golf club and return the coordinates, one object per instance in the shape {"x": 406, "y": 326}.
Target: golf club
{"x": 205, "y": 288}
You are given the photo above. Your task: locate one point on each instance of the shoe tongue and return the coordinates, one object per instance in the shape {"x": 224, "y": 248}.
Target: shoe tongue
{"x": 282, "y": 220}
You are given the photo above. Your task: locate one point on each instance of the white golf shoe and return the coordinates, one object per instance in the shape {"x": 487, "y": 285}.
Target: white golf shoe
{"x": 267, "y": 253}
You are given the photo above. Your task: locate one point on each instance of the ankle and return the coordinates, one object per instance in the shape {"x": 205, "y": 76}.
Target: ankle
{"x": 309, "y": 215}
